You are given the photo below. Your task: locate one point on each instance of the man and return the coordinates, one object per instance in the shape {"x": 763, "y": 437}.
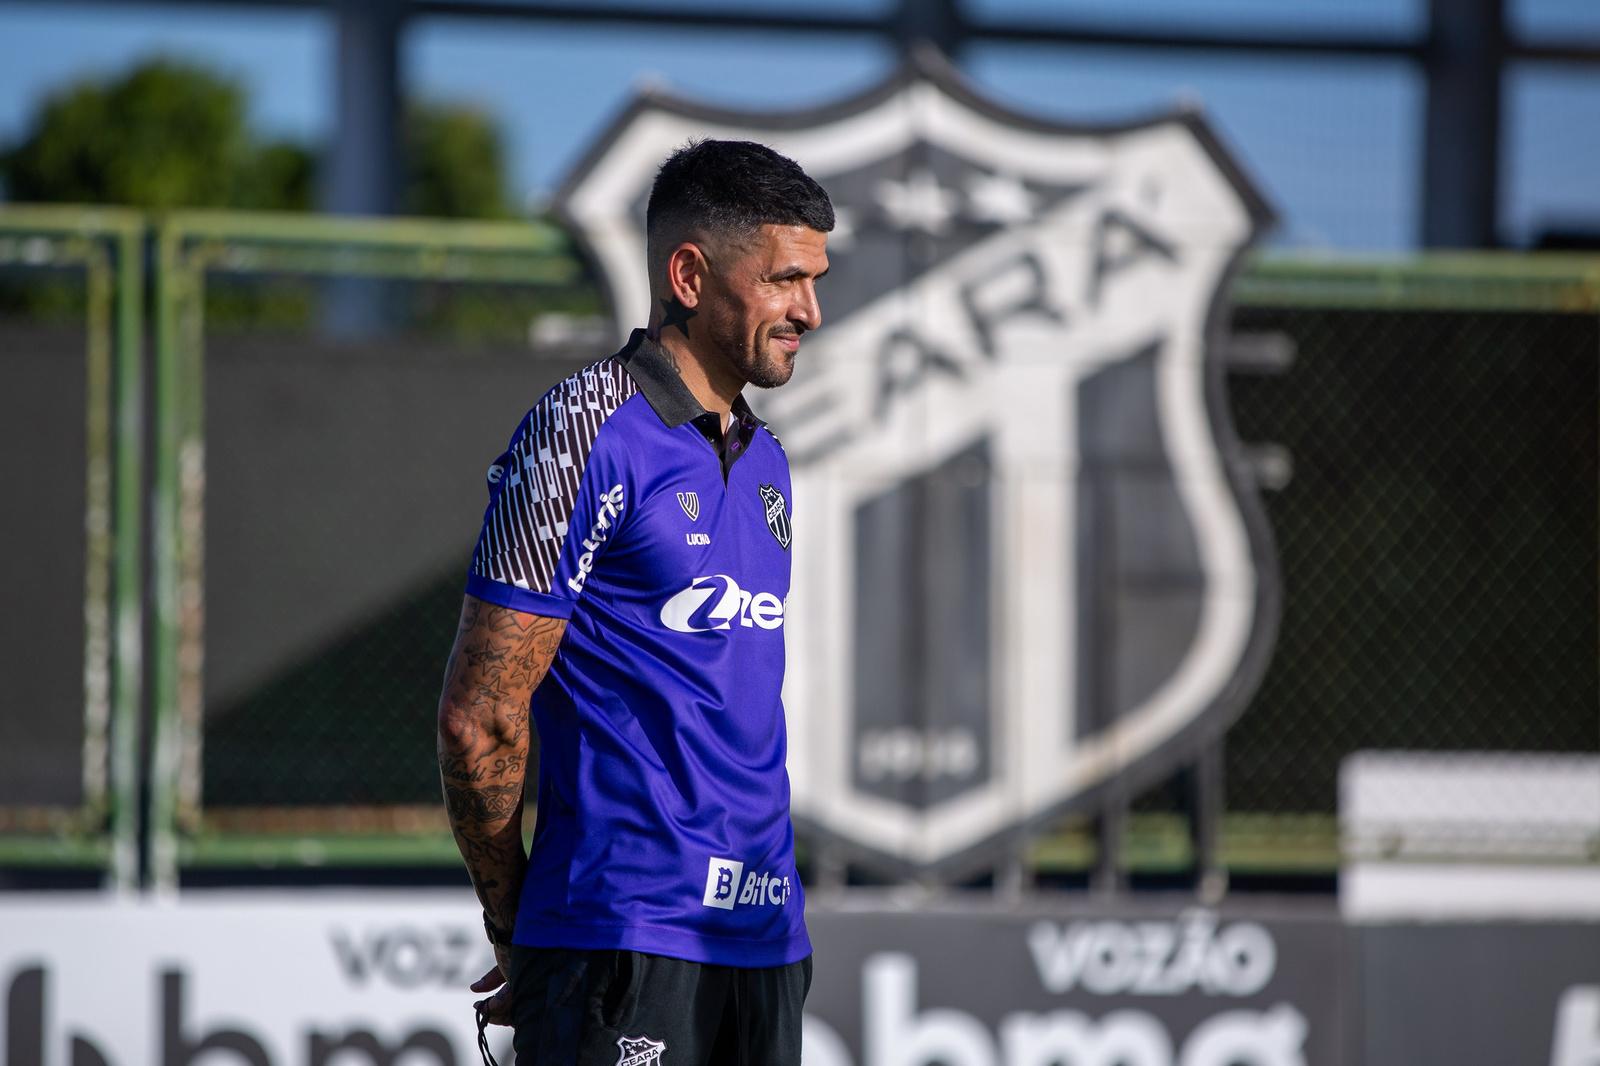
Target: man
{"x": 630, "y": 581}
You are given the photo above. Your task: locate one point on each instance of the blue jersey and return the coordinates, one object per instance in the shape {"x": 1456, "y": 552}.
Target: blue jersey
{"x": 663, "y": 810}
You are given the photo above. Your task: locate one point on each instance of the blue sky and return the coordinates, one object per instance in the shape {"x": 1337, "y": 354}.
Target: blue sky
{"x": 1336, "y": 143}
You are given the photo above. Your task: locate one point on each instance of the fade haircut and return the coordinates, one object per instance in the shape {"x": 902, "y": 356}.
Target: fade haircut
{"x": 725, "y": 191}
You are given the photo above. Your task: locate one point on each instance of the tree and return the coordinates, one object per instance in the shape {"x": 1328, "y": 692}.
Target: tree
{"x": 164, "y": 135}
{"x": 455, "y": 164}
{"x": 282, "y": 176}
{"x": 168, "y": 134}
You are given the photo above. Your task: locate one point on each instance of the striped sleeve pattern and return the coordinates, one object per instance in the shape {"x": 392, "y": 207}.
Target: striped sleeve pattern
{"x": 534, "y": 492}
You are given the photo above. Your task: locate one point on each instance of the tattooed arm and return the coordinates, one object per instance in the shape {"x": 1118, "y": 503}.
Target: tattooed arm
{"x": 499, "y": 658}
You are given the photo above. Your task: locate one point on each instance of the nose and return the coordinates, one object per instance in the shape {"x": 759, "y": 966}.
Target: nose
{"x": 806, "y": 311}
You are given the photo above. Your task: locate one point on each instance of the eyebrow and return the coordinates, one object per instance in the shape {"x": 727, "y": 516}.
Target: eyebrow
{"x": 798, "y": 272}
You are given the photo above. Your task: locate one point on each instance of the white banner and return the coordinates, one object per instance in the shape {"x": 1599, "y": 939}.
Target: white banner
{"x": 368, "y": 978}
{"x": 244, "y": 979}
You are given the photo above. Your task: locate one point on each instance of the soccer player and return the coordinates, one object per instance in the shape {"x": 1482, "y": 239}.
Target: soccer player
{"x": 629, "y": 588}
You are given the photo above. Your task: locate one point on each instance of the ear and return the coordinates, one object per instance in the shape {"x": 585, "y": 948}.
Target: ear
{"x": 687, "y": 267}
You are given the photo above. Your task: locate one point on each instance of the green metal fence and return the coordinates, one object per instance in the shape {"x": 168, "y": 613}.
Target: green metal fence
{"x": 104, "y": 248}
{"x": 194, "y": 249}
{"x": 1438, "y": 536}
{"x": 1437, "y": 533}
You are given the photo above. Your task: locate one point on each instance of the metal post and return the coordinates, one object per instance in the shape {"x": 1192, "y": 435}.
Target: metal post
{"x": 1206, "y": 799}
{"x": 1110, "y": 828}
{"x": 1097, "y": 662}
{"x": 179, "y": 528}
{"x": 161, "y": 854}
{"x": 128, "y": 635}
{"x": 1460, "y": 169}
{"x": 1013, "y": 874}
{"x": 100, "y": 277}
{"x": 365, "y": 157}
{"x": 930, "y": 22}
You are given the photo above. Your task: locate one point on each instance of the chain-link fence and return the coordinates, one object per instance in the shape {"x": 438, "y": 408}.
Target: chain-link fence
{"x": 335, "y": 391}
{"x": 1438, "y": 542}
{"x": 1436, "y": 533}
{"x": 70, "y": 303}
{"x": 326, "y": 394}
{"x": 1438, "y": 538}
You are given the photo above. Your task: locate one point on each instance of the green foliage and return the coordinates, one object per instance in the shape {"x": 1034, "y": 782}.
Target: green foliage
{"x": 282, "y": 176}
{"x": 164, "y": 135}
{"x": 168, "y": 134}
{"x": 455, "y": 164}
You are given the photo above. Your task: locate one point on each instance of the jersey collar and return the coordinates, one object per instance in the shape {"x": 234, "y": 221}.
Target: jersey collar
{"x": 652, "y": 369}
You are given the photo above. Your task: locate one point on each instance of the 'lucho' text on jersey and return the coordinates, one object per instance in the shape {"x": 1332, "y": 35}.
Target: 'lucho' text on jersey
{"x": 663, "y": 812}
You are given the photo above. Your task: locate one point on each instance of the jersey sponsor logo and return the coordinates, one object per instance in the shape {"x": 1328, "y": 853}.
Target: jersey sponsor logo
{"x": 611, "y": 505}
{"x": 777, "y": 515}
{"x": 496, "y": 472}
{"x": 729, "y": 886}
{"x": 639, "y": 1051}
{"x": 764, "y": 890}
{"x": 697, "y": 540}
{"x": 690, "y": 502}
{"x": 722, "y": 883}
{"x": 717, "y": 602}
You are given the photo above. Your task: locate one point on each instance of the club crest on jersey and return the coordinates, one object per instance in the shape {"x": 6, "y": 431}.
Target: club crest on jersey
{"x": 1032, "y": 555}
{"x": 690, "y": 502}
{"x": 777, "y": 515}
{"x": 639, "y": 1051}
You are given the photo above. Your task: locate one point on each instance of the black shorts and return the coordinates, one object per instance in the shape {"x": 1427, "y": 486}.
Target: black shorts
{"x": 626, "y": 1008}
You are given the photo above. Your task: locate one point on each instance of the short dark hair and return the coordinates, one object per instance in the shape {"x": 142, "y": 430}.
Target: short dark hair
{"x": 731, "y": 188}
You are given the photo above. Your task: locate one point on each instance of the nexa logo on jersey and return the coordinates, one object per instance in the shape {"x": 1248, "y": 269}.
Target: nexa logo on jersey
{"x": 605, "y": 518}
{"x": 728, "y": 886}
{"x": 717, "y": 602}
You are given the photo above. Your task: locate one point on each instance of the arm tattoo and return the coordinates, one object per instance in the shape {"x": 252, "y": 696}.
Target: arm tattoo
{"x": 499, "y": 658}
{"x": 476, "y": 805}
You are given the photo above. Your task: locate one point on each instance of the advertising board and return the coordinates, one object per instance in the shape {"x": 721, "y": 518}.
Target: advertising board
{"x": 1477, "y": 992}
{"x": 1114, "y": 986}
{"x": 351, "y": 978}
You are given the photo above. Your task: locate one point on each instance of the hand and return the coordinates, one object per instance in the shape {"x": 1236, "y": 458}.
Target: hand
{"x": 497, "y": 1008}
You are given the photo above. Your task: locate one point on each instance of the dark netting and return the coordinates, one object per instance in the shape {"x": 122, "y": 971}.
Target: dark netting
{"x": 1437, "y": 542}
{"x": 349, "y": 724}
{"x": 43, "y": 347}
{"x": 344, "y": 484}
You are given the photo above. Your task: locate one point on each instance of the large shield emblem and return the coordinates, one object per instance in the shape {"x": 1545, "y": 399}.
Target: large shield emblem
{"x": 1027, "y": 556}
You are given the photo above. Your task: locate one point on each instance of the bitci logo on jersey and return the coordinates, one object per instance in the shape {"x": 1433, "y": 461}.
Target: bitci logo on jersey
{"x": 728, "y": 886}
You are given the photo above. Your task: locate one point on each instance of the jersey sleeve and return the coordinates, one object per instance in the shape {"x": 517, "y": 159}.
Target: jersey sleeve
{"x": 558, "y": 497}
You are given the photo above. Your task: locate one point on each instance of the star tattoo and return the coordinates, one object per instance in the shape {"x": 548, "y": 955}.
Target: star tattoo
{"x": 676, "y": 315}
{"x": 485, "y": 655}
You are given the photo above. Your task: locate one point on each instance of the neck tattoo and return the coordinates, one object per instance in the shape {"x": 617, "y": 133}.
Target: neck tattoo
{"x": 674, "y": 314}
